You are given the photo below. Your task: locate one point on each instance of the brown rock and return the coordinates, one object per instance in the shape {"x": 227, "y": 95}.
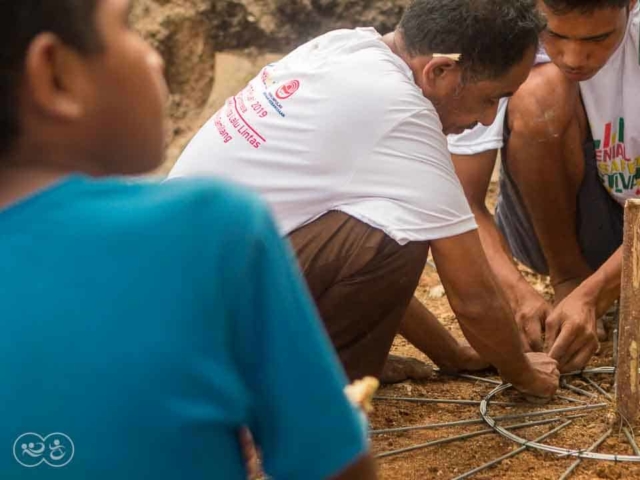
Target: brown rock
{"x": 190, "y": 34}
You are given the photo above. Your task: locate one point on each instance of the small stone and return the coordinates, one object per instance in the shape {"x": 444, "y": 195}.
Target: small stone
{"x": 436, "y": 292}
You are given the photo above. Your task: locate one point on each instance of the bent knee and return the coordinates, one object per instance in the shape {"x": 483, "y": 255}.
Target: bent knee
{"x": 545, "y": 108}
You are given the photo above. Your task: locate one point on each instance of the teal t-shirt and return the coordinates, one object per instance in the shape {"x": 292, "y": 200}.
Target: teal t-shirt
{"x": 143, "y": 324}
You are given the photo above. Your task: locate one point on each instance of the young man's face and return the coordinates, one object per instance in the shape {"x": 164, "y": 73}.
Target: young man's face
{"x": 580, "y": 44}
{"x": 127, "y": 104}
{"x": 477, "y": 102}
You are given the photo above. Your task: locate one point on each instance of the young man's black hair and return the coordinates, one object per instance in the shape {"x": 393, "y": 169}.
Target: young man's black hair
{"x": 561, "y": 7}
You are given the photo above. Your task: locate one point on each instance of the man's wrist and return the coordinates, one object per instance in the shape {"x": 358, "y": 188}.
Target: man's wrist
{"x": 521, "y": 293}
{"x": 591, "y": 293}
{"x": 601, "y": 289}
{"x": 517, "y": 372}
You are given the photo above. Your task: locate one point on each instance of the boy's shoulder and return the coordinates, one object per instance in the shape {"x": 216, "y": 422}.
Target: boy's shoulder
{"x": 201, "y": 193}
{"x": 195, "y": 201}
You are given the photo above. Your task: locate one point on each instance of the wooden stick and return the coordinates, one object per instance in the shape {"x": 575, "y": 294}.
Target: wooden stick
{"x": 627, "y": 398}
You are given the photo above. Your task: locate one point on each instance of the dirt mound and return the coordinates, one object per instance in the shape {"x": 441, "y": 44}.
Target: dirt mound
{"x": 191, "y": 33}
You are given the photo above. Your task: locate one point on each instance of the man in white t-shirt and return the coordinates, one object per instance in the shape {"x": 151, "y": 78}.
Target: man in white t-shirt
{"x": 571, "y": 152}
{"x": 344, "y": 139}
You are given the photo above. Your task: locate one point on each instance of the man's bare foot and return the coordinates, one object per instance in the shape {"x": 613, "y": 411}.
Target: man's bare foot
{"x": 601, "y": 331}
{"x": 398, "y": 369}
{"x": 609, "y": 322}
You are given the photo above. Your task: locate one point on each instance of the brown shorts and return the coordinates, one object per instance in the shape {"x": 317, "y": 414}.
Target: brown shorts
{"x": 362, "y": 281}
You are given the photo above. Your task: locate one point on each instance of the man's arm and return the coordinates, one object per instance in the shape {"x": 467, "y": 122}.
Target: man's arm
{"x": 363, "y": 469}
{"x": 548, "y": 127}
{"x": 529, "y": 307}
{"x": 420, "y": 327}
{"x": 295, "y": 383}
{"x": 485, "y": 316}
{"x": 571, "y": 329}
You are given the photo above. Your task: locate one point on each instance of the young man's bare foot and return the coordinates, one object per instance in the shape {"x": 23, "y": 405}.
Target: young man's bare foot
{"x": 601, "y": 331}
{"x": 398, "y": 369}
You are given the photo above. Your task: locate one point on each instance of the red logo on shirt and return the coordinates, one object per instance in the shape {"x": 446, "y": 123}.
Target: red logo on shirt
{"x": 288, "y": 89}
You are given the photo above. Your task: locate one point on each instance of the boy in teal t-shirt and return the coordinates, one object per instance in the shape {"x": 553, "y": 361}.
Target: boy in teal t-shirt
{"x": 143, "y": 325}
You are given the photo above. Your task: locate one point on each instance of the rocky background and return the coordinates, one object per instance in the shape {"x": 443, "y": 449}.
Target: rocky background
{"x": 213, "y": 47}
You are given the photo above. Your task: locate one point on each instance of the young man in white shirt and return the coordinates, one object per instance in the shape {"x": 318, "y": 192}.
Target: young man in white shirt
{"x": 345, "y": 139}
{"x": 571, "y": 151}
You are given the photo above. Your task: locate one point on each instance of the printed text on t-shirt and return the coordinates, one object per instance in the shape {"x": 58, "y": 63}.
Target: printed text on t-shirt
{"x": 236, "y": 112}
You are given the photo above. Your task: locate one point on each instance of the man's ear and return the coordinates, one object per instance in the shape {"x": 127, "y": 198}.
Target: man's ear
{"x": 440, "y": 76}
{"x": 54, "y": 78}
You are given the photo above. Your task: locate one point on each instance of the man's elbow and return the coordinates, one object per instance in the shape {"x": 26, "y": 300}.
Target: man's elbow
{"x": 476, "y": 305}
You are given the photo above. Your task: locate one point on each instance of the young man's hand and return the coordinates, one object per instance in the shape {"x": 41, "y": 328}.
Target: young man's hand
{"x": 531, "y": 314}
{"x": 542, "y": 380}
{"x": 571, "y": 333}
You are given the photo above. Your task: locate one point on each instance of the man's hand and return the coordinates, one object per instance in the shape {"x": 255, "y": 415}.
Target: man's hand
{"x": 531, "y": 315}
{"x": 470, "y": 360}
{"x": 250, "y": 454}
{"x": 571, "y": 334}
{"x": 543, "y": 379}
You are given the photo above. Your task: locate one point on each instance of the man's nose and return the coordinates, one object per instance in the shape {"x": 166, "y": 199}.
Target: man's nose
{"x": 574, "y": 56}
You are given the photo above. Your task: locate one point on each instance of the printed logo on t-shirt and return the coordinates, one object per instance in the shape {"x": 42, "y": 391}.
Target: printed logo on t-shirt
{"x": 242, "y": 114}
{"x": 618, "y": 173}
{"x": 287, "y": 90}
{"x": 284, "y": 92}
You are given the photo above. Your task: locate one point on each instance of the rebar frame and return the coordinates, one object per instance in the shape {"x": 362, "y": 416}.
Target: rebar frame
{"x": 560, "y": 451}
{"x": 507, "y": 430}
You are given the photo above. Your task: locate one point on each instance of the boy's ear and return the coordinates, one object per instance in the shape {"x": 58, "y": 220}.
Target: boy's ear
{"x": 440, "y": 76}
{"x": 53, "y": 78}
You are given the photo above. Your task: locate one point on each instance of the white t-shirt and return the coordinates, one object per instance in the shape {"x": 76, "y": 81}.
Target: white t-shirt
{"x": 338, "y": 124}
{"x": 612, "y": 103}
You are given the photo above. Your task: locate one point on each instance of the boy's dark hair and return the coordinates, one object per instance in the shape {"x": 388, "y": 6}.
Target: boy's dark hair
{"x": 73, "y": 21}
{"x": 492, "y": 35}
{"x": 562, "y": 7}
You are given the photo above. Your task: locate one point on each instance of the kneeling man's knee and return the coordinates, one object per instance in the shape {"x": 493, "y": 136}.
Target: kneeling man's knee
{"x": 545, "y": 108}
